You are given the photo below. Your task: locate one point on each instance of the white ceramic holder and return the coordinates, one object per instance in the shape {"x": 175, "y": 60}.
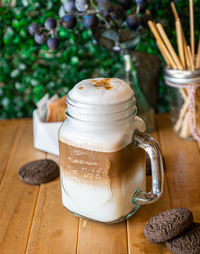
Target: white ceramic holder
{"x": 45, "y": 134}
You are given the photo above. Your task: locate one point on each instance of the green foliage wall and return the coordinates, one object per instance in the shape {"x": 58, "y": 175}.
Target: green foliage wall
{"x": 28, "y": 71}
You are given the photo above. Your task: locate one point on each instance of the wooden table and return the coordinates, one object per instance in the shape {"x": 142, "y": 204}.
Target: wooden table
{"x": 33, "y": 220}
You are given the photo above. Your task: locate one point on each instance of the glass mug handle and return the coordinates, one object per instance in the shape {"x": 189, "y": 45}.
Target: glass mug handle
{"x": 149, "y": 144}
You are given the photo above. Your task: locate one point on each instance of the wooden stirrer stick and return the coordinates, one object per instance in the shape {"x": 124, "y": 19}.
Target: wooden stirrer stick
{"x": 169, "y": 46}
{"x": 187, "y": 58}
{"x": 190, "y": 57}
{"x": 154, "y": 30}
{"x": 176, "y": 17}
{"x": 192, "y": 40}
{"x": 161, "y": 46}
{"x": 169, "y": 61}
{"x": 174, "y": 10}
{"x": 180, "y": 42}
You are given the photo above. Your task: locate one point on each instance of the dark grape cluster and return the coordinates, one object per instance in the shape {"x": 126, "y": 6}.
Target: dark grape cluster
{"x": 104, "y": 13}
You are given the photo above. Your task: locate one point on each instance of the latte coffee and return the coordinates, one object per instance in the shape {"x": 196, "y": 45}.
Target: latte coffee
{"x": 100, "y": 185}
{"x": 101, "y": 168}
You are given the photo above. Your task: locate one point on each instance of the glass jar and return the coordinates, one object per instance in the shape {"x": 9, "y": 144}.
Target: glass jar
{"x": 103, "y": 175}
{"x": 145, "y": 110}
{"x": 184, "y": 101}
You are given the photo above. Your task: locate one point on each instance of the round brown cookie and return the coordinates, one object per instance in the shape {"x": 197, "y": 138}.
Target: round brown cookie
{"x": 168, "y": 224}
{"x": 186, "y": 243}
{"x": 38, "y": 172}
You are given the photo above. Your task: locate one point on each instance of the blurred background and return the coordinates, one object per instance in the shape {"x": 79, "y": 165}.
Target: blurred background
{"x": 28, "y": 70}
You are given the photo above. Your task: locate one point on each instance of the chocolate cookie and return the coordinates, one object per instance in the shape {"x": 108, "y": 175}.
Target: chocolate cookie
{"x": 38, "y": 172}
{"x": 186, "y": 243}
{"x": 168, "y": 224}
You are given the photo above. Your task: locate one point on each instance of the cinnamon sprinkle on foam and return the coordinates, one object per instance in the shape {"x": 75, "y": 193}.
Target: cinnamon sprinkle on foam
{"x": 104, "y": 83}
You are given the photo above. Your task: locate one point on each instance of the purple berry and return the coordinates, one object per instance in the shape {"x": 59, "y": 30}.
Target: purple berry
{"x": 40, "y": 38}
{"x": 90, "y": 20}
{"x": 34, "y": 28}
{"x": 53, "y": 43}
{"x": 133, "y": 21}
{"x": 50, "y": 24}
{"x": 69, "y": 21}
{"x": 82, "y": 5}
{"x": 69, "y": 6}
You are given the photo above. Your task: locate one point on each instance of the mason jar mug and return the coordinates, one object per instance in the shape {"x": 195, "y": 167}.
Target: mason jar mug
{"x": 102, "y": 153}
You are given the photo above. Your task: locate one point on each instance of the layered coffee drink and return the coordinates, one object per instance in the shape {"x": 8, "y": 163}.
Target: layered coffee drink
{"x": 100, "y": 185}
{"x": 100, "y": 168}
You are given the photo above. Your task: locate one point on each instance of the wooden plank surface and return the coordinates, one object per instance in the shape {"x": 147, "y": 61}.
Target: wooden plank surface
{"x": 17, "y": 200}
{"x": 8, "y": 130}
{"x": 33, "y": 220}
{"x": 54, "y": 229}
{"x": 137, "y": 242}
{"x": 99, "y": 238}
{"x": 183, "y": 168}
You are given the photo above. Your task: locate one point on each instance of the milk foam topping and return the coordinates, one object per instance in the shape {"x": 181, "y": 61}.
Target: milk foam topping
{"x": 101, "y": 115}
{"x": 101, "y": 91}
